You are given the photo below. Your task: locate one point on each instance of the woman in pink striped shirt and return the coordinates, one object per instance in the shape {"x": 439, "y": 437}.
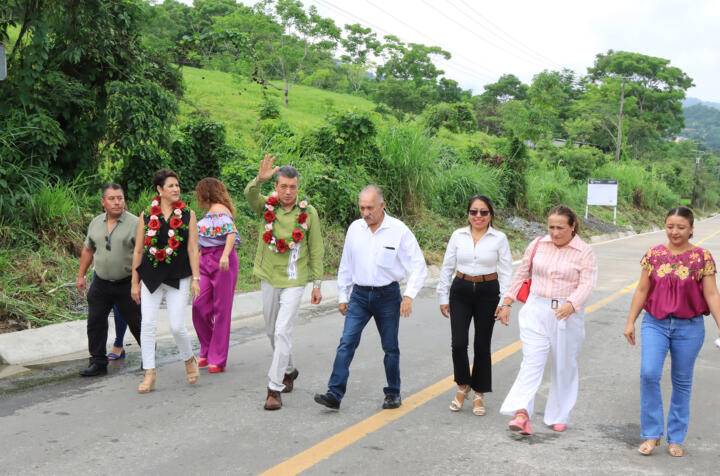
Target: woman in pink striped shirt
{"x": 563, "y": 273}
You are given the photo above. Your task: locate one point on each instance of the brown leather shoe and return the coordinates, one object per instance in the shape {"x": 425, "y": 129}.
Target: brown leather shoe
{"x": 288, "y": 381}
{"x": 273, "y": 401}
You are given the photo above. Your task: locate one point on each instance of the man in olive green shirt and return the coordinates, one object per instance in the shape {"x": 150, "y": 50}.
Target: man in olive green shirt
{"x": 109, "y": 244}
{"x": 289, "y": 255}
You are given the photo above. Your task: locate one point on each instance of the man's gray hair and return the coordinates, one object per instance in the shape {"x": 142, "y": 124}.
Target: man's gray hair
{"x": 373, "y": 188}
{"x": 287, "y": 171}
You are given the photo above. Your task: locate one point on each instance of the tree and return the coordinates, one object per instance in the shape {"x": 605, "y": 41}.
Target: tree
{"x": 411, "y": 62}
{"x": 59, "y": 69}
{"x": 360, "y": 45}
{"x": 487, "y": 105}
{"x": 657, "y": 88}
{"x": 285, "y": 35}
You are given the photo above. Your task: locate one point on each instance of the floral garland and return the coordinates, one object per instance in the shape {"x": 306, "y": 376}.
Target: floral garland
{"x": 163, "y": 255}
{"x": 280, "y": 245}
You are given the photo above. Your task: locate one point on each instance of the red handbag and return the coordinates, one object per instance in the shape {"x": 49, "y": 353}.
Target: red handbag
{"x": 524, "y": 290}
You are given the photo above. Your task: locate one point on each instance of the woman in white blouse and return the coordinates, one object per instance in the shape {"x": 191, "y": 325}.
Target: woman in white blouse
{"x": 479, "y": 257}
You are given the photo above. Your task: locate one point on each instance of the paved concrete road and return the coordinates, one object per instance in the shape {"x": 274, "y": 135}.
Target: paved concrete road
{"x": 52, "y": 422}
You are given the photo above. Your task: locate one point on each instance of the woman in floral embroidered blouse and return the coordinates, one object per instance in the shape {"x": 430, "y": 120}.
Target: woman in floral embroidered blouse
{"x": 218, "y": 272}
{"x": 676, "y": 288}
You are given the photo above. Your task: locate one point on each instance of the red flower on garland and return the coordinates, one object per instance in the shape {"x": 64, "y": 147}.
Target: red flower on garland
{"x": 269, "y": 216}
{"x": 173, "y": 243}
{"x": 175, "y": 223}
{"x": 178, "y": 204}
{"x": 302, "y": 218}
{"x": 154, "y": 224}
{"x": 148, "y": 241}
{"x": 160, "y": 255}
{"x": 155, "y": 211}
{"x": 272, "y": 201}
{"x": 267, "y": 237}
{"x": 281, "y": 245}
{"x": 298, "y": 235}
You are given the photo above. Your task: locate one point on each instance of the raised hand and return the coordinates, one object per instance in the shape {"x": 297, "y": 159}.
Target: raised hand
{"x": 266, "y": 168}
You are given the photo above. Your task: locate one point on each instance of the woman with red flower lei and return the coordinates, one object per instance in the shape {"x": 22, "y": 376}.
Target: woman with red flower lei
{"x": 166, "y": 256}
{"x": 212, "y": 309}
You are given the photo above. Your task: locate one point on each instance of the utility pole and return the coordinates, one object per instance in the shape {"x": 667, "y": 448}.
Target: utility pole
{"x": 695, "y": 180}
{"x": 618, "y": 142}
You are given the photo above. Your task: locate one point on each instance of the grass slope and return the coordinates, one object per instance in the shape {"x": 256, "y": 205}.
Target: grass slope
{"x": 233, "y": 100}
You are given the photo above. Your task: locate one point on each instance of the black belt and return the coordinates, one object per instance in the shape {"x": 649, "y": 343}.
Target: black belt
{"x": 115, "y": 281}
{"x": 376, "y": 288}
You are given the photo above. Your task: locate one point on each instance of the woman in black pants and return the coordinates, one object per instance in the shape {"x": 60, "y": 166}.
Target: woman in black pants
{"x": 479, "y": 257}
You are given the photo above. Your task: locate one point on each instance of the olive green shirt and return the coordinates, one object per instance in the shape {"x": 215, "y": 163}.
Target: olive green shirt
{"x": 273, "y": 267}
{"x": 115, "y": 263}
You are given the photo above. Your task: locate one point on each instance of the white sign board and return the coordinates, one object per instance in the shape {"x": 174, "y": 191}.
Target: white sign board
{"x": 3, "y": 65}
{"x": 602, "y": 192}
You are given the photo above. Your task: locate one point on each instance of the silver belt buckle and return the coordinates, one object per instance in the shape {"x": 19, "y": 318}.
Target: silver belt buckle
{"x": 554, "y": 303}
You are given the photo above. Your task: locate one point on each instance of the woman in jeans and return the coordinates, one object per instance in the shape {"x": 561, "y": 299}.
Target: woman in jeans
{"x": 676, "y": 288}
{"x": 563, "y": 269}
{"x": 165, "y": 265}
{"x": 479, "y": 257}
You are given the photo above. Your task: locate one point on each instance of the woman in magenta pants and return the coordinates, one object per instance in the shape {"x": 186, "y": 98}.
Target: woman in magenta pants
{"x": 212, "y": 309}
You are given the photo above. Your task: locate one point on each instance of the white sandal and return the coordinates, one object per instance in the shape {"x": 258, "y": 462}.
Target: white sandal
{"x": 478, "y": 410}
{"x": 456, "y": 404}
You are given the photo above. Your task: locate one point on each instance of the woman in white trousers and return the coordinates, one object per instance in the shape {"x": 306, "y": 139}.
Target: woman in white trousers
{"x": 563, "y": 270}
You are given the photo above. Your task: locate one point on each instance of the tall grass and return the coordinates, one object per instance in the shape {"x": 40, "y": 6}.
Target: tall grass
{"x": 457, "y": 182}
{"x": 549, "y": 186}
{"x": 408, "y": 167}
{"x": 637, "y": 186}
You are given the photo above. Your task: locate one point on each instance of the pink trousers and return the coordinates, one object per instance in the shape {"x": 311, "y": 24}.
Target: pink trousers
{"x": 212, "y": 309}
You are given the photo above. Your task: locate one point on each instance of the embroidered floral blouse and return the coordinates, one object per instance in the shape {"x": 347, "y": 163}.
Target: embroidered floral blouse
{"x": 213, "y": 229}
{"x": 676, "y": 281}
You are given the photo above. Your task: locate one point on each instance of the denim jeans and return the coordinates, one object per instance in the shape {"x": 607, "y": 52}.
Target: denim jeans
{"x": 384, "y": 305}
{"x": 683, "y": 338}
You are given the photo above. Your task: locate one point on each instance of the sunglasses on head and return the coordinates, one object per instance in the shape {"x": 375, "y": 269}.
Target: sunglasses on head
{"x": 107, "y": 242}
{"x": 483, "y": 213}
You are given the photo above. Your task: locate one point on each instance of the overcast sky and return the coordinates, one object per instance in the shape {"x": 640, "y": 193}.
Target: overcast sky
{"x": 491, "y": 38}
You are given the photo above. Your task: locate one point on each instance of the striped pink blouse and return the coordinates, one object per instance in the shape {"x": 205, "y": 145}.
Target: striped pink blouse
{"x": 568, "y": 272}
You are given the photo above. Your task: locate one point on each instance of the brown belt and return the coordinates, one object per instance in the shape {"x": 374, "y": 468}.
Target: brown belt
{"x": 477, "y": 279}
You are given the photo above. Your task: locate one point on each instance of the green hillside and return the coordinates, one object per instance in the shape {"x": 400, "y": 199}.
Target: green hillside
{"x": 233, "y": 100}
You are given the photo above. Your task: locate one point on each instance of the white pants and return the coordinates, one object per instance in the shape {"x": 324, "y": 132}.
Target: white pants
{"x": 280, "y": 308}
{"x": 541, "y": 333}
{"x": 176, "y": 300}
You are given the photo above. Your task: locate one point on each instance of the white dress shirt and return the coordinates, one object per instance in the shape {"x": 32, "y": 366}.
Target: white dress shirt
{"x": 380, "y": 258}
{"x": 490, "y": 255}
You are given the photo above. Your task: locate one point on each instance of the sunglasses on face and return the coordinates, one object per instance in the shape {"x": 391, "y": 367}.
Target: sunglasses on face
{"x": 482, "y": 213}
{"x": 107, "y": 242}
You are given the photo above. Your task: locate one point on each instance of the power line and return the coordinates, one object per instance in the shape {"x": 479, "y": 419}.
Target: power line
{"x": 489, "y": 73}
{"x": 506, "y": 34}
{"x": 486, "y": 40}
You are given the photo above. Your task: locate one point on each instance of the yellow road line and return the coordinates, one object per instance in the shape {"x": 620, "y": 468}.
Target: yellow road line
{"x": 345, "y": 438}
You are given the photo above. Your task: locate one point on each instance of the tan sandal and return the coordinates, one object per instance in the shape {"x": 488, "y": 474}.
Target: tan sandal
{"x": 148, "y": 383}
{"x": 648, "y": 446}
{"x": 478, "y": 406}
{"x": 192, "y": 370}
{"x": 675, "y": 450}
{"x": 459, "y": 399}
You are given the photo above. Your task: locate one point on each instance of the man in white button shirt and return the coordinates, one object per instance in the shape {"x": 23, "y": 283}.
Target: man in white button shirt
{"x": 379, "y": 250}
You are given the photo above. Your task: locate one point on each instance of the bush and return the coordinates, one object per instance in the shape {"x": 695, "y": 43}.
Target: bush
{"x": 580, "y": 162}
{"x": 139, "y": 166}
{"x": 638, "y": 186}
{"x": 457, "y": 117}
{"x": 274, "y": 135}
{"x": 347, "y": 138}
{"x": 548, "y": 186}
{"x": 269, "y": 109}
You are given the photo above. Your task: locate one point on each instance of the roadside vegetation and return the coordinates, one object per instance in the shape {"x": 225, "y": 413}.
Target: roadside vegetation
{"x": 115, "y": 90}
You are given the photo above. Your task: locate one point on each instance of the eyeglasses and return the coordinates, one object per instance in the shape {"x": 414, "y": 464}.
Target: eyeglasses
{"x": 483, "y": 213}
{"x": 107, "y": 242}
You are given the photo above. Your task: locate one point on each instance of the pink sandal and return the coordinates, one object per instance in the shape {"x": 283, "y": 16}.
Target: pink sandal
{"x": 521, "y": 423}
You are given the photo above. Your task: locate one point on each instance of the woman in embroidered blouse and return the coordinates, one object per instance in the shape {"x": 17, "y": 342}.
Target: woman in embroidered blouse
{"x": 563, "y": 273}
{"x": 166, "y": 255}
{"x": 212, "y": 309}
{"x": 479, "y": 257}
{"x": 676, "y": 288}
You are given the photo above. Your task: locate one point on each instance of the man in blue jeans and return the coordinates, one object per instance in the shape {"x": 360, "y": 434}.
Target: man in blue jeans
{"x": 379, "y": 250}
